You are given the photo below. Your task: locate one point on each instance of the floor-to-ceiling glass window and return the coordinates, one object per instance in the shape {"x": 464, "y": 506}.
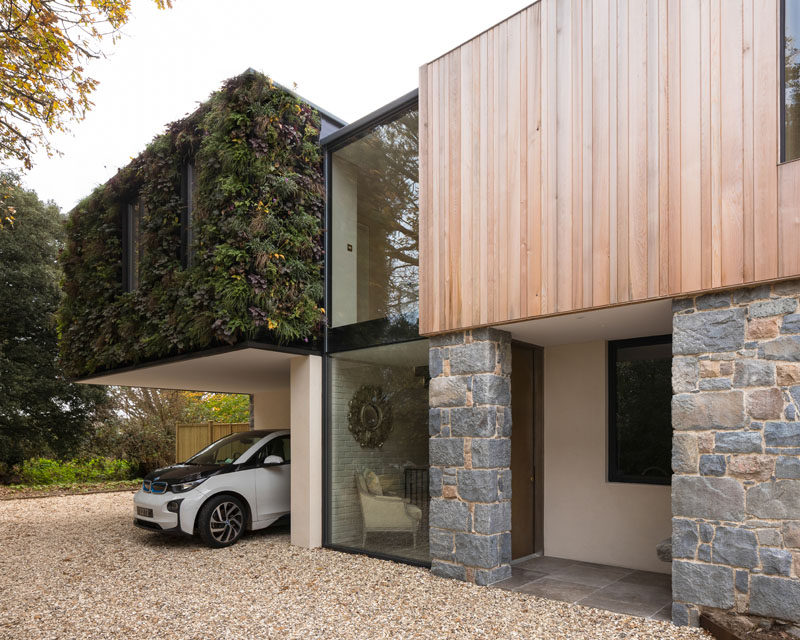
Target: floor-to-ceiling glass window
{"x": 376, "y": 365}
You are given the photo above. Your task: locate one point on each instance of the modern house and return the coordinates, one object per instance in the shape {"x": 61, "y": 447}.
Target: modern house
{"x": 585, "y": 224}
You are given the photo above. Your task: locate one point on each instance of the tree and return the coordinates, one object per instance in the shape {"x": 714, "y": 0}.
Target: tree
{"x": 389, "y": 190}
{"x": 217, "y": 407}
{"x": 141, "y": 428}
{"x": 41, "y": 412}
{"x": 43, "y": 84}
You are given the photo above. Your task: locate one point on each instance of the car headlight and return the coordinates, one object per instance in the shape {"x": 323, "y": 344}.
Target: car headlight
{"x": 183, "y": 487}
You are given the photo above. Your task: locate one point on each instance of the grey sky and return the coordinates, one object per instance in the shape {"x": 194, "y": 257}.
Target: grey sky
{"x": 348, "y": 57}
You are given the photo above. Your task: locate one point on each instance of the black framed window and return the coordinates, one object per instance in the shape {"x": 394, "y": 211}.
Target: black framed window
{"x": 376, "y": 447}
{"x": 374, "y": 233}
{"x": 134, "y": 213}
{"x": 640, "y": 418}
{"x": 790, "y": 80}
{"x": 189, "y": 197}
{"x": 375, "y": 365}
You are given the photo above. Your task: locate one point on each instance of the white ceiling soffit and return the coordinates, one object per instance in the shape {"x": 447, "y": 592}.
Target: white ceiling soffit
{"x": 613, "y": 323}
{"x": 239, "y": 371}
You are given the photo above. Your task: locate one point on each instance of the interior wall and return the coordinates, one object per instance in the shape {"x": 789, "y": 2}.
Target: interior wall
{"x": 271, "y": 409}
{"x": 586, "y": 517}
{"x": 344, "y": 274}
{"x": 405, "y": 447}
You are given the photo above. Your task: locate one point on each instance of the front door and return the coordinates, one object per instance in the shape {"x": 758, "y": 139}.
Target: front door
{"x": 525, "y": 362}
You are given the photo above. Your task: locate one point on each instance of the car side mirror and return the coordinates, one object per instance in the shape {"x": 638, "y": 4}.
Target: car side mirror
{"x": 272, "y": 461}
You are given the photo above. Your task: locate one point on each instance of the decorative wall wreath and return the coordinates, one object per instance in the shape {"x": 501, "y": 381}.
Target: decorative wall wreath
{"x": 370, "y": 417}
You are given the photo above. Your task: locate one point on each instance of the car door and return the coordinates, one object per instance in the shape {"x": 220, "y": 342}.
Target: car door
{"x": 273, "y": 482}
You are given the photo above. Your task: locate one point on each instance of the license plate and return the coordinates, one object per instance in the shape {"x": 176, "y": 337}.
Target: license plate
{"x": 144, "y": 512}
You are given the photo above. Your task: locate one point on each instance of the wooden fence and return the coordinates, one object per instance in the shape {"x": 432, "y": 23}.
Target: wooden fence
{"x": 191, "y": 437}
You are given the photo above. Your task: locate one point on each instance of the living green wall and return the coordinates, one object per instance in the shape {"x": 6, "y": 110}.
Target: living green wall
{"x": 257, "y": 265}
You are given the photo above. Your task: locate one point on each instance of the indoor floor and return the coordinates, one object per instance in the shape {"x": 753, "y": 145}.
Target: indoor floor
{"x": 638, "y": 593}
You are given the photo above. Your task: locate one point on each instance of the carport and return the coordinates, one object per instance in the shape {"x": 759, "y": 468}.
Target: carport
{"x": 286, "y": 386}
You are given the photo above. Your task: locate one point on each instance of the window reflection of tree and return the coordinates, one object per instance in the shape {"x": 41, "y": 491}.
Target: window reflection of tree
{"x": 791, "y": 95}
{"x": 389, "y": 196}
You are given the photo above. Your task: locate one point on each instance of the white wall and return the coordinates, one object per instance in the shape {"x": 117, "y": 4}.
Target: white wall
{"x": 344, "y": 273}
{"x": 306, "y": 427}
{"x": 271, "y": 409}
{"x": 586, "y": 517}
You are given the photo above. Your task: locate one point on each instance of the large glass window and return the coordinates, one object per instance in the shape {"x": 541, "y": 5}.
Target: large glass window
{"x": 790, "y": 139}
{"x": 378, "y": 450}
{"x": 640, "y": 417}
{"x": 375, "y": 217}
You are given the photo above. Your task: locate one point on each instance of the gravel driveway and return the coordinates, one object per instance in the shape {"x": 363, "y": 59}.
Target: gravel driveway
{"x": 75, "y": 567}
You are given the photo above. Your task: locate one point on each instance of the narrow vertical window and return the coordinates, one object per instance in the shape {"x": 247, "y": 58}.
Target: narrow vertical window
{"x": 790, "y": 80}
{"x": 135, "y": 213}
{"x": 640, "y": 418}
{"x": 187, "y": 223}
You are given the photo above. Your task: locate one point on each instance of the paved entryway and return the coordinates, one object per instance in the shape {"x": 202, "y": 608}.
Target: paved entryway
{"x": 638, "y": 593}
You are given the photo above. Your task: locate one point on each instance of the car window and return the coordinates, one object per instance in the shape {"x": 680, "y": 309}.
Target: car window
{"x": 226, "y": 450}
{"x": 279, "y": 447}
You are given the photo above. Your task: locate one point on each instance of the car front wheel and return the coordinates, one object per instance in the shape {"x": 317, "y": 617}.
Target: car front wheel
{"x": 221, "y": 521}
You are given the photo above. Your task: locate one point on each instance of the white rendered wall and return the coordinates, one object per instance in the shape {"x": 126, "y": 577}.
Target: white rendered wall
{"x": 586, "y": 517}
{"x": 306, "y": 427}
{"x": 271, "y": 409}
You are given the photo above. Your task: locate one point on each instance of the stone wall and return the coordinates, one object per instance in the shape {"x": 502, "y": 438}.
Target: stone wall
{"x": 736, "y": 453}
{"x": 470, "y": 455}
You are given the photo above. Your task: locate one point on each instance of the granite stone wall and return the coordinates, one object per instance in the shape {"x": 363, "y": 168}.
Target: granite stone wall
{"x": 470, "y": 455}
{"x": 736, "y": 453}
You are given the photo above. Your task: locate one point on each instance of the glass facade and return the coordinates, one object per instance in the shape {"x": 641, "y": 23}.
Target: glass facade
{"x": 377, "y": 367}
{"x": 378, "y": 448}
{"x": 375, "y": 225}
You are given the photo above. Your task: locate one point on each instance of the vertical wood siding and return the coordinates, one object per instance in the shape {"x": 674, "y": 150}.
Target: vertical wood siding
{"x": 586, "y": 153}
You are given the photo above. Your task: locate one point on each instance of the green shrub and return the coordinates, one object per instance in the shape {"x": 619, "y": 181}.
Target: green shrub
{"x": 42, "y": 471}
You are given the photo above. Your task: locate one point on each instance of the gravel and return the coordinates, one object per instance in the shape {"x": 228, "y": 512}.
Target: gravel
{"x": 75, "y": 567}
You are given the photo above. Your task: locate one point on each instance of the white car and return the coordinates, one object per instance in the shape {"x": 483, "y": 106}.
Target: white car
{"x": 239, "y": 482}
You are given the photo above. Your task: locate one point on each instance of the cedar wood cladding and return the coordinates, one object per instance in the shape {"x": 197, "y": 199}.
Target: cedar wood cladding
{"x": 588, "y": 153}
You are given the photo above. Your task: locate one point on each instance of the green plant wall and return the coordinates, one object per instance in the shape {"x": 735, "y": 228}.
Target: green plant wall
{"x": 257, "y": 266}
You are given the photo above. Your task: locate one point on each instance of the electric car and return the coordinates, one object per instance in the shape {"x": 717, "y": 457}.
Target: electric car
{"x": 238, "y": 483}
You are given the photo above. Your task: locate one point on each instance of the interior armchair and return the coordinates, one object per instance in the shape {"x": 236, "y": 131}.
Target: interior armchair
{"x": 384, "y": 513}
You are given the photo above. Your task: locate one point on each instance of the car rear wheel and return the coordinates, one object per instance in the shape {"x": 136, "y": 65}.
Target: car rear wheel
{"x": 221, "y": 521}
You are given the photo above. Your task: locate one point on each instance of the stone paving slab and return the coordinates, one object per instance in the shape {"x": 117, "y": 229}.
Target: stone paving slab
{"x": 639, "y": 593}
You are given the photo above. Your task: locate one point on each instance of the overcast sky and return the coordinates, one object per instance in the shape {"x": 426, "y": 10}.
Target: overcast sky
{"x": 347, "y": 56}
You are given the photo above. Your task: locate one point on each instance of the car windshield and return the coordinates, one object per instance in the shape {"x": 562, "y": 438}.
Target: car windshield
{"x": 226, "y": 450}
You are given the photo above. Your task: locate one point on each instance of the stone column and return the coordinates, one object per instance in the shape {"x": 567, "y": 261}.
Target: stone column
{"x": 736, "y": 453}
{"x": 470, "y": 455}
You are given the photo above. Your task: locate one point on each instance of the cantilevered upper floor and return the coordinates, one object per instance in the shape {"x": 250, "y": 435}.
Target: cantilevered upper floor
{"x": 212, "y": 236}
{"x": 594, "y": 153}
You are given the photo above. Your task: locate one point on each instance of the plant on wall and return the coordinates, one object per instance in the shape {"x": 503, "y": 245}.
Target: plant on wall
{"x": 256, "y": 269}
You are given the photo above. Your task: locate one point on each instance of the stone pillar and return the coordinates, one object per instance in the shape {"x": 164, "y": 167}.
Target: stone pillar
{"x": 736, "y": 453}
{"x": 470, "y": 455}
